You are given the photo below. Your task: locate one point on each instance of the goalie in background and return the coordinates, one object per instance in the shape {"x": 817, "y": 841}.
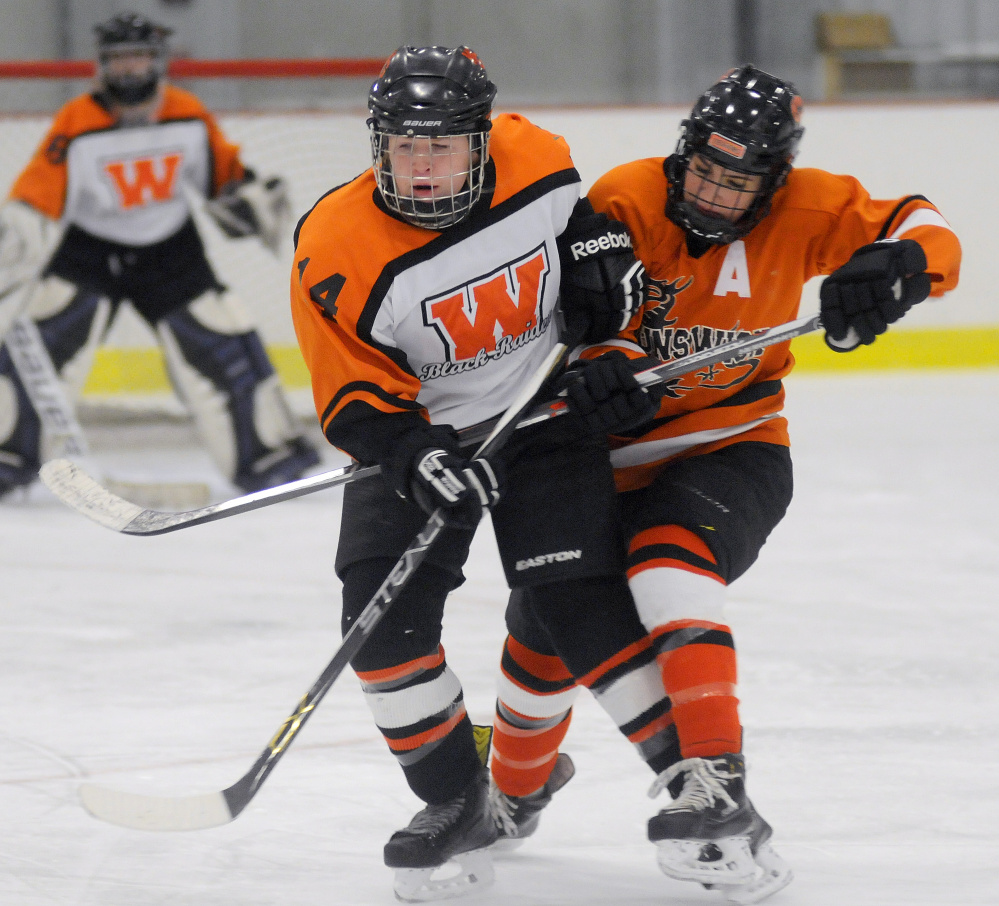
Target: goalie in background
{"x": 111, "y": 184}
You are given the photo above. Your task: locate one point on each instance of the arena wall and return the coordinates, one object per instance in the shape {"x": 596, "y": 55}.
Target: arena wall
{"x": 894, "y": 149}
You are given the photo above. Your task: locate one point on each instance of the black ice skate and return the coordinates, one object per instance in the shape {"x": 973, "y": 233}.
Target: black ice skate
{"x": 517, "y": 817}
{"x": 711, "y": 832}
{"x": 458, "y": 830}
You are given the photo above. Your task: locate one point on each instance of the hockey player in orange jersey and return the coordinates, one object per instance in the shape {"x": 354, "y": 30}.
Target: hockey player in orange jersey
{"x": 114, "y": 176}
{"x": 729, "y": 232}
{"x": 424, "y": 297}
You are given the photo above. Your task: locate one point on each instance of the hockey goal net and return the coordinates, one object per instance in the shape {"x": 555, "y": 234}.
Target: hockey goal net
{"x": 301, "y": 119}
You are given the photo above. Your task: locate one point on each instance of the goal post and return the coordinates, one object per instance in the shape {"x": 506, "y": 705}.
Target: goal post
{"x": 304, "y": 120}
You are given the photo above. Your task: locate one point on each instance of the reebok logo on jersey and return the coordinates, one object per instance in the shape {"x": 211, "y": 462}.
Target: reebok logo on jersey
{"x": 545, "y": 559}
{"x": 605, "y": 242}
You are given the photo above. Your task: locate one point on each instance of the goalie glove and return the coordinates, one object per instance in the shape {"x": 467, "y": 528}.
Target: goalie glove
{"x": 878, "y": 285}
{"x": 253, "y": 208}
{"x": 26, "y": 237}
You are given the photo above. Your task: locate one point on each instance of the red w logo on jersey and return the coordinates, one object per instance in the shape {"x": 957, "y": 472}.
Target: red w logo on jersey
{"x": 487, "y": 314}
{"x": 144, "y": 180}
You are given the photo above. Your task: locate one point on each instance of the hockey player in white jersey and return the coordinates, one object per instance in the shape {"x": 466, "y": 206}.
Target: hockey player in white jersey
{"x": 110, "y": 188}
{"x": 424, "y": 298}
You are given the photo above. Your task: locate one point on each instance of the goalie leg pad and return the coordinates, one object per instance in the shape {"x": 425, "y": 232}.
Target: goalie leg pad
{"x": 219, "y": 368}
{"x": 20, "y": 431}
{"x": 72, "y": 321}
{"x": 26, "y": 239}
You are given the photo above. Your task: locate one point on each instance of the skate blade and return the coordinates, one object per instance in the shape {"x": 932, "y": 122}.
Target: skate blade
{"x": 772, "y": 874}
{"x": 465, "y": 872}
{"x": 507, "y": 844}
{"x": 685, "y": 860}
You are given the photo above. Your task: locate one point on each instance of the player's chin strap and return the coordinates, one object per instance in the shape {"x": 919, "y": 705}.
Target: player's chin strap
{"x": 78, "y": 490}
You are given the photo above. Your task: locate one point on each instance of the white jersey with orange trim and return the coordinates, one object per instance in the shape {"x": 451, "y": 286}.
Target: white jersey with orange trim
{"x": 450, "y": 324}
{"x": 128, "y": 184}
{"x": 695, "y": 301}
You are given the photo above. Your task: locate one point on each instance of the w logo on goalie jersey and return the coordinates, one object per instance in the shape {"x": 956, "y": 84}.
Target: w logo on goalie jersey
{"x": 494, "y": 314}
{"x": 145, "y": 180}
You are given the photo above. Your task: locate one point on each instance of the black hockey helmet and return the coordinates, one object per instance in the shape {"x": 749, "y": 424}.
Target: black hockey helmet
{"x": 131, "y": 33}
{"x": 750, "y": 121}
{"x": 432, "y": 92}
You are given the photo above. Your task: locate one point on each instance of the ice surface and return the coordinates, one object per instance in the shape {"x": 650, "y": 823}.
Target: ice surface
{"x": 868, "y": 635}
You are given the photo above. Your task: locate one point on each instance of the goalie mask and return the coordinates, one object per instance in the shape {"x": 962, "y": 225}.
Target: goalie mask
{"x": 748, "y": 125}
{"x": 429, "y": 127}
{"x": 122, "y": 39}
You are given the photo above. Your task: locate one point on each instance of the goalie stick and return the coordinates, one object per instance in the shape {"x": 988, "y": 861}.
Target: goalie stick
{"x": 62, "y": 428}
{"x": 78, "y": 490}
{"x": 213, "y": 809}
{"x": 34, "y": 367}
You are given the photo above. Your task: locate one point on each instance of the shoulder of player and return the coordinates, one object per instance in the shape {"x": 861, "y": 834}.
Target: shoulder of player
{"x": 80, "y": 115}
{"x": 517, "y": 127}
{"x": 334, "y": 212}
{"x": 179, "y": 103}
{"x": 638, "y": 182}
{"x": 519, "y": 146}
{"x": 345, "y": 232}
{"x": 808, "y": 188}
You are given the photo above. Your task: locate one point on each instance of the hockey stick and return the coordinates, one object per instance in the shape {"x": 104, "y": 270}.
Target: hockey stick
{"x": 74, "y": 487}
{"x": 41, "y": 383}
{"x": 213, "y": 809}
{"x": 34, "y": 366}
{"x": 733, "y": 351}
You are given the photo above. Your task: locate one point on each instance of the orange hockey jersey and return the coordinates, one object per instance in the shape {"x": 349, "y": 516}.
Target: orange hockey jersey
{"x": 128, "y": 184}
{"x": 446, "y": 324}
{"x": 816, "y": 222}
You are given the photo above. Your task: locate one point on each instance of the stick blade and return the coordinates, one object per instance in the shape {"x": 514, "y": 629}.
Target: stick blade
{"x": 78, "y": 490}
{"x": 155, "y": 813}
{"x": 162, "y": 495}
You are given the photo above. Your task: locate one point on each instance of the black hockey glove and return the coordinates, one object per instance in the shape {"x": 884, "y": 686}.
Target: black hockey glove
{"x": 878, "y": 285}
{"x": 603, "y": 284}
{"x": 462, "y": 488}
{"x": 423, "y": 464}
{"x": 603, "y": 392}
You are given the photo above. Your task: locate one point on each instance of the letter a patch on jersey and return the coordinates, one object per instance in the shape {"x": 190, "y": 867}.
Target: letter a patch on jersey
{"x": 144, "y": 180}
{"x": 489, "y": 313}
{"x": 734, "y": 274}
